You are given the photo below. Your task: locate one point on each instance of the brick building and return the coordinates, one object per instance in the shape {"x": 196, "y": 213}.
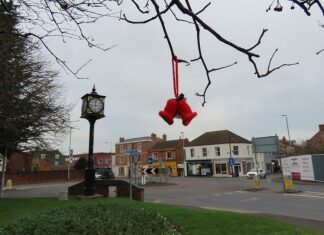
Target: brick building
{"x": 144, "y": 144}
{"x": 101, "y": 159}
{"x": 317, "y": 141}
{"x": 169, "y": 154}
{"x": 19, "y": 162}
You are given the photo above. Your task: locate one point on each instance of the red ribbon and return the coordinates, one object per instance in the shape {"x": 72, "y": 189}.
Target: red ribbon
{"x": 175, "y": 75}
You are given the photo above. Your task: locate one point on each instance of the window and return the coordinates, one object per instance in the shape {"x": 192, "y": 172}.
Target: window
{"x": 43, "y": 155}
{"x": 220, "y": 168}
{"x": 100, "y": 161}
{"x": 204, "y": 152}
{"x": 56, "y": 163}
{"x": 121, "y": 148}
{"x": 155, "y": 155}
{"x": 169, "y": 155}
{"x": 236, "y": 150}
{"x": 57, "y": 156}
{"x": 139, "y": 146}
{"x": 217, "y": 151}
{"x": 192, "y": 152}
{"x": 121, "y": 171}
{"x": 129, "y": 146}
{"x": 121, "y": 159}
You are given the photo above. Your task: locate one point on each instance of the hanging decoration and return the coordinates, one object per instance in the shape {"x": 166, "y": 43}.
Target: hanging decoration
{"x": 178, "y": 105}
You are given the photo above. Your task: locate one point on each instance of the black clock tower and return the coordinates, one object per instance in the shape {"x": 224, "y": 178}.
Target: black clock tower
{"x": 92, "y": 109}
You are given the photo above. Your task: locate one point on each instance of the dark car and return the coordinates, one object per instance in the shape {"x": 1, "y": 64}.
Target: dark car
{"x": 104, "y": 173}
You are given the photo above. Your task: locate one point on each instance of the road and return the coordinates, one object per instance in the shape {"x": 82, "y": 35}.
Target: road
{"x": 234, "y": 194}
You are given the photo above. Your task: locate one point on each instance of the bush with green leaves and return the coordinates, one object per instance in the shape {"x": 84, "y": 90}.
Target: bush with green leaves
{"x": 92, "y": 218}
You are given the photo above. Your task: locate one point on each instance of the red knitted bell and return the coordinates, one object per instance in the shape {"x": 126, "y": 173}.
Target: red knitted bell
{"x": 170, "y": 111}
{"x": 185, "y": 111}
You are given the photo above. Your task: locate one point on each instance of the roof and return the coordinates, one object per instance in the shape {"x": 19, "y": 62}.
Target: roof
{"x": 138, "y": 139}
{"x": 218, "y": 137}
{"x": 170, "y": 144}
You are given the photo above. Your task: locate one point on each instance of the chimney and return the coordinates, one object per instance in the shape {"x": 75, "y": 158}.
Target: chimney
{"x": 321, "y": 127}
{"x": 153, "y": 136}
{"x": 164, "y": 137}
{"x": 121, "y": 139}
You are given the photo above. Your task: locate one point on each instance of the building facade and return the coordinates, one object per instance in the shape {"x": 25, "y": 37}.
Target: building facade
{"x": 169, "y": 155}
{"x": 208, "y": 155}
{"x": 317, "y": 141}
{"x": 143, "y": 144}
{"x": 100, "y": 159}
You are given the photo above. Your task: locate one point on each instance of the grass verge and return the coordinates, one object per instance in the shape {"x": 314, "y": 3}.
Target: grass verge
{"x": 192, "y": 221}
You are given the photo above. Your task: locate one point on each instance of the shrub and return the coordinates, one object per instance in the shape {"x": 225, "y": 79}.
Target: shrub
{"x": 92, "y": 218}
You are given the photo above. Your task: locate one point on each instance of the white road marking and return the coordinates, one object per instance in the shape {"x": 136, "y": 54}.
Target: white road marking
{"x": 228, "y": 193}
{"x": 216, "y": 194}
{"x": 320, "y": 193}
{"x": 251, "y": 199}
{"x": 241, "y": 191}
{"x": 304, "y": 195}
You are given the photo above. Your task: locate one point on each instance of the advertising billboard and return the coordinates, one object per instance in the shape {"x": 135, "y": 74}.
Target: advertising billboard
{"x": 299, "y": 167}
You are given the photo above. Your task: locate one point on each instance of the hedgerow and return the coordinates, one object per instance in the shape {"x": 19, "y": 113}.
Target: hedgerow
{"x": 95, "y": 218}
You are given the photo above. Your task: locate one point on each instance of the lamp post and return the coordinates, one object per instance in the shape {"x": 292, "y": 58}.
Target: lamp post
{"x": 70, "y": 150}
{"x": 182, "y": 154}
{"x": 92, "y": 110}
{"x": 284, "y": 115}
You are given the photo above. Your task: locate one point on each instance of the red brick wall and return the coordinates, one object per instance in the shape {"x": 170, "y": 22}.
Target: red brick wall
{"x": 42, "y": 177}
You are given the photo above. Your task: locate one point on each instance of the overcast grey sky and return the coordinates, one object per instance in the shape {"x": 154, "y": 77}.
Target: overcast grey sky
{"x": 136, "y": 75}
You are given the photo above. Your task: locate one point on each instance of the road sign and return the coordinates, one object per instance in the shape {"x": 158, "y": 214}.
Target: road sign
{"x": 269, "y": 144}
{"x": 150, "y": 160}
{"x": 153, "y": 171}
{"x": 231, "y": 161}
{"x": 132, "y": 152}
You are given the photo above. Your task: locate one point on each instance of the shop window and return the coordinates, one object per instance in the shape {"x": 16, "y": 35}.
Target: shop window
{"x": 204, "y": 152}
{"x": 236, "y": 150}
{"x": 192, "y": 152}
{"x": 217, "y": 151}
{"x": 221, "y": 168}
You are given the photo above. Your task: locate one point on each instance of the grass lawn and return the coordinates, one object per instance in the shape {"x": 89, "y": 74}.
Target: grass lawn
{"x": 192, "y": 221}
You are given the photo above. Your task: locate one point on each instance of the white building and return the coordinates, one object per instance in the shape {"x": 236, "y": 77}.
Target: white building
{"x": 209, "y": 155}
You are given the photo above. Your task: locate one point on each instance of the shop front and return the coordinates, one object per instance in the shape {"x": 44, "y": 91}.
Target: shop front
{"x": 170, "y": 165}
{"x": 199, "y": 168}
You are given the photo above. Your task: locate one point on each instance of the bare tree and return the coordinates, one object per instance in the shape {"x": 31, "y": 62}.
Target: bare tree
{"x": 66, "y": 19}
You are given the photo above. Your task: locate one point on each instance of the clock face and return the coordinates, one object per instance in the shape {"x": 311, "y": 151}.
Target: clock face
{"x": 96, "y": 105}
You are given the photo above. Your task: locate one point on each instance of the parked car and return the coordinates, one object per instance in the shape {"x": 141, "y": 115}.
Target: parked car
{"x": 253, "y": 173}
{"x": 104, "y": 173}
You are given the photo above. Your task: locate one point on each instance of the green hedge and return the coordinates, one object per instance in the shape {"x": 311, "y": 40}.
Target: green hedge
{"x": 92, "y": 218}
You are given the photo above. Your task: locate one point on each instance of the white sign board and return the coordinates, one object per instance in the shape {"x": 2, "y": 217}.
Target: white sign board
{"x": 299, "y": 167}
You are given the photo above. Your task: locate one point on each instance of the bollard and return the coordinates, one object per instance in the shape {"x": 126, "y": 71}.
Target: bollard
{"x": 63, "y": 196}
{"x": 112, "y": 191}
{"x": 9, "y": 185}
